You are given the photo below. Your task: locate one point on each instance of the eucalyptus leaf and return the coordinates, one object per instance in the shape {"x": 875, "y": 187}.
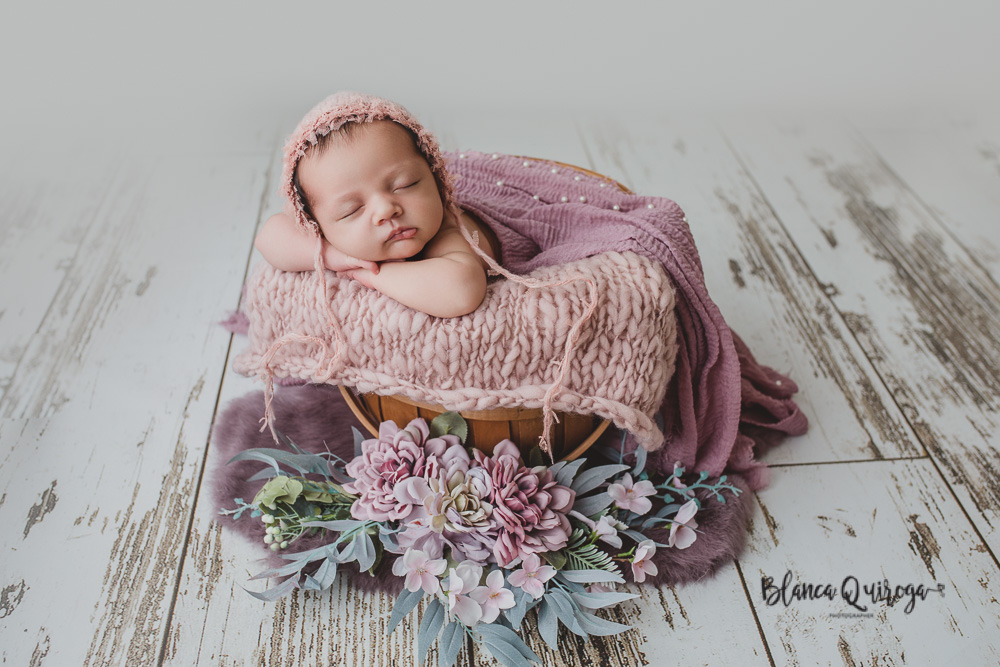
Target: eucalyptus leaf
{"x": 349, "y": 553}
{"x": 640, "y": 460}
{"x": 249, "y": 455}
{"x": 548, "y": 625}
{"x": 365, "y": 551}
{"x": 498, "y": 633}
{"x": 555, "y": 467}
{"x": 406, "y": 601}
{"x": 595, "y": 625}
{"x": 591, "y": 576}
{"x": 282, "y": 589}
{"x": 263, "y": 473}
{"x": 282, "y": 571}
{"x": 565, "y": 609}
{"x": 326, "y": 574}
{"x": 566, "y": 473}
{"x": 601, "y": 600}
{"x": 388, "y": 538}
{"x": 341, "y": 526}
{"x": 430, "y": 626}
{"x": 590, "y": 479}
{"x": 516, "y": 613}
{"x": 303, "y": 463}
{"x": 451, "y": 643}
{"x": 591, "y": 505}
{"x": 358, "y": 439}
{"x": 310, "y": 584}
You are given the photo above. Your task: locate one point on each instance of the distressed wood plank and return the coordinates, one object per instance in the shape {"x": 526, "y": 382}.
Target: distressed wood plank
{"x": 924, "y": 311}
{"x": 105, "y": 421}
{"x": 762, "y": 285}
{"x": 879, "y": 520}
{"x": 44, "y": 215}
{"x": 954, "y": 169}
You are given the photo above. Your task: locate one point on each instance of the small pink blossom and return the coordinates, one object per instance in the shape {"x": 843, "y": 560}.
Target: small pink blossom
{"x": 607, "y": 530}
{"x": 462, "y": 580}
{"x": 632, "y": 497}
{"x": 682, "y": 533}
{"x": 493, "y": 597}
{"x": 421, "y": 571}
{"x": 532, "y": 575}
{"x": 641, "y": 563}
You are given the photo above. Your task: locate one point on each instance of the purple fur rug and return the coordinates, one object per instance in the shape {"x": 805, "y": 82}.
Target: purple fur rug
{"x": 316, "y": 418}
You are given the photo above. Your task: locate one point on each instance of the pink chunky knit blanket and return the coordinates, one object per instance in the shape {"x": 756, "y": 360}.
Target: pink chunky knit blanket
{"x": 501, "y": 355}
{"x": 718, "y": 407}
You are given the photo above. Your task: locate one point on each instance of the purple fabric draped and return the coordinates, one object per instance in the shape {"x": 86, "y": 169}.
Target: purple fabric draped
{"x": 721, "y": 405}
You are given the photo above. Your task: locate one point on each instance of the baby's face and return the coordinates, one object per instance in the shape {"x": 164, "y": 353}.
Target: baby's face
{"x": 373, "y": 194}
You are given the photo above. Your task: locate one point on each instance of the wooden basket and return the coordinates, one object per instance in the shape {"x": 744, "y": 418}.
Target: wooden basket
{"x": 572, "y": 435}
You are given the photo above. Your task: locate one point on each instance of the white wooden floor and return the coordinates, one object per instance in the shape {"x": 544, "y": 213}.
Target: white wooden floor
{"x": 860, "y": 258}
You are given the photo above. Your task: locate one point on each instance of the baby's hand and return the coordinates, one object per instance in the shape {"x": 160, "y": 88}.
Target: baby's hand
{"x": 363, "y": 276}
{"x": 336, "y": 260}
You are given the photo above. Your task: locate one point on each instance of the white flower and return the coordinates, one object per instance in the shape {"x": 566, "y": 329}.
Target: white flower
{"x": 493, "y": 597}
{"x": 421, "y": 571}
{"x": 607, "y": 530}
{"x": 632, "y": 497}
{"x": 682, "y": 533}
{"x": 641, "y": 563}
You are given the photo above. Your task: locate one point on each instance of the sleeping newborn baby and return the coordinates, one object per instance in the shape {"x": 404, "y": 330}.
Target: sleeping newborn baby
{"x": 377, "y": 203}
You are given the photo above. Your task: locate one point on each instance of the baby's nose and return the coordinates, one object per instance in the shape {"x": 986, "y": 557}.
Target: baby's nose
{"x": 385, "y": 211}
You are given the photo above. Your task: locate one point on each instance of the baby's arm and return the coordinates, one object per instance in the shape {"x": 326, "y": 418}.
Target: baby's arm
{"x": 448, "y": 286}
{"x": 451, "y": 282}
{"x": 288, "y": 247}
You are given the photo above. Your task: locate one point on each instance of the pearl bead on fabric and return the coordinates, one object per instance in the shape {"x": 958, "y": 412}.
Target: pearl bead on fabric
{"x": 564, "y": 199}
{"x": 617, "y": 207}
{"x": 583, "y": 199}
{"x": 500, "y": 183}
{"x": 649, "y": 206}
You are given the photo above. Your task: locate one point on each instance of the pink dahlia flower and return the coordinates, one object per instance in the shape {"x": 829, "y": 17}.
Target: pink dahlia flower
{"x": 396, "y": 455}
{"x": 529, "y": 507}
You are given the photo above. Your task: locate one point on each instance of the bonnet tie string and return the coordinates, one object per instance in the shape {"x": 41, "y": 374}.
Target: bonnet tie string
{"x": 321, "y": 374}
{"x": 548, "y": 414}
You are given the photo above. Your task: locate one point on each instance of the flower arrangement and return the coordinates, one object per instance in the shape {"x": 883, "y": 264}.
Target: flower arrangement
{"x": 487, "y": 538}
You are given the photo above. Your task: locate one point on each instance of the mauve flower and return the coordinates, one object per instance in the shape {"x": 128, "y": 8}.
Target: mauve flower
{"x": 642, "y": 563}
{"x": 420, "y": 570}
{"x": 632, "y": 497}
{"x": 682, "y": 533}
{"x": 395, "y": 456}
{"x": 493, "y": 597}
{"x": 531, "y": 576}
{"x": 529, "y": 507}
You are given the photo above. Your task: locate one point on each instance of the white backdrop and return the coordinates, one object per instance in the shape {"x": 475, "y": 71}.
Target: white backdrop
{"x": 176, "y": 70}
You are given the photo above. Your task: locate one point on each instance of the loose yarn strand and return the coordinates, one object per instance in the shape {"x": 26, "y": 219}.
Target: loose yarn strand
{"x": 326, "y": 359}
{"x": 548, "y": 414}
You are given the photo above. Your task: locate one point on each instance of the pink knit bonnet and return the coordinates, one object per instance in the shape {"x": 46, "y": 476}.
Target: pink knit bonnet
{"x": 351, "y": 107}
